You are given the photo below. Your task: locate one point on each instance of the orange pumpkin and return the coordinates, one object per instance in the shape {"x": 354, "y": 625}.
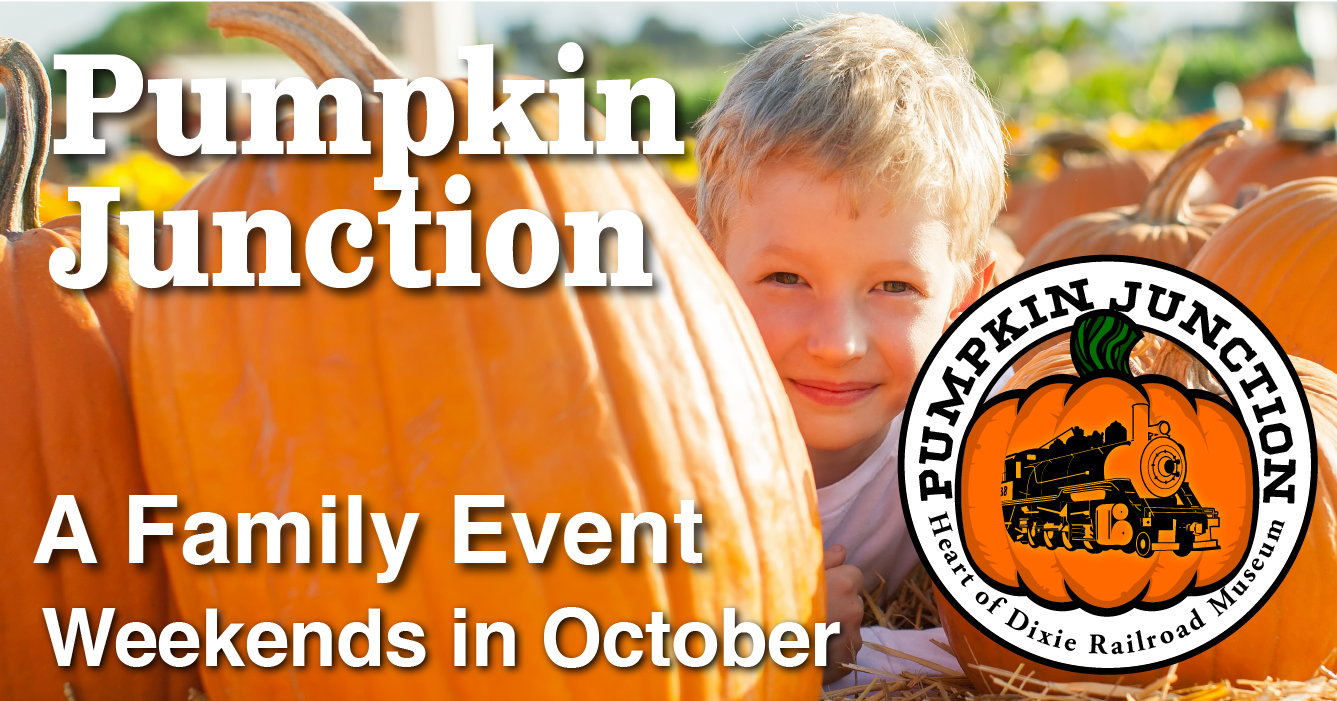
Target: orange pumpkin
{"x": 1014, "y": 546}
{"x": 68, "y": 429}
{"x": 1270, "y": 163}
{"x": 1035, "y": 208}
{"x": 564, "y": 400}
{"x": 1279, "y": 257}
{"x": 1294, "y": 630}
{"x": 1164, "y": 227}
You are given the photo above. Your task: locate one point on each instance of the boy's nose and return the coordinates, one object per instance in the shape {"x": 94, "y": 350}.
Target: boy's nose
{"x": 838, "y": 335}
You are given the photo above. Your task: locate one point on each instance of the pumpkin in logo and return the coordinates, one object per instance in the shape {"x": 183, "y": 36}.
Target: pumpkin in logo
{"x": 1295, "y": 629}
{"x": 1115, "y": 490}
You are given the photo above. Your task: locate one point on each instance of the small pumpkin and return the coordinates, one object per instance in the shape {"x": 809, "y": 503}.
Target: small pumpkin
{"x": 1286, "y": 639}
{"x": 1271, "y": 163}
{"x": 67, "y": 429}
{"x": 1279, "y": 257}
{"x": 1164, "y": 227}
{"x": 1034, "y": 208}
{"x": 564, "y": 400}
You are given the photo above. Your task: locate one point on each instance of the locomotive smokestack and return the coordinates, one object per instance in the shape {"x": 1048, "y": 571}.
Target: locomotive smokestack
{"x": 1141, "y": 423}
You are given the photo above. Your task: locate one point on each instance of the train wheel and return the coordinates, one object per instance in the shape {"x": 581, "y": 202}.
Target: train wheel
{"x": 1067, "y": 538}
{"x": 1185, "y": 546}
{"x": 1050, "y": 541}
{"x": 1034, "y": 536}
{"x": 1142, "y": 543}
{"x": 1090, "y": 545}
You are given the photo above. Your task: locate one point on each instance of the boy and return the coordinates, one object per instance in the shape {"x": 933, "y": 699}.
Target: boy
{"x": 849, "y": 175}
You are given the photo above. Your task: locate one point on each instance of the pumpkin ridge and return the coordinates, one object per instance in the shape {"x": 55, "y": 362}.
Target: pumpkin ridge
{"x": 427, "y": 581}
{"x": 49, "y": 240}
{"x": 424, "y": 580}
{"x": 1260, "y": 292}
{"x": 1240, "y": 254}
{"x": 1316, "y": 220}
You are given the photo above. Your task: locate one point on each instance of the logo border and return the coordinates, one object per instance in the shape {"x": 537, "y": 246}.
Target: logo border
{"x": 904, "y": 482}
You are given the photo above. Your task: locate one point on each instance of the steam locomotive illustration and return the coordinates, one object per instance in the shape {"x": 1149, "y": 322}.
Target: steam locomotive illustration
{"x": 1114, "y": 489}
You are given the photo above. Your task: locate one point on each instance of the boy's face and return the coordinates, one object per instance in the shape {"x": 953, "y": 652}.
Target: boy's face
{"x": 849, "y": 308}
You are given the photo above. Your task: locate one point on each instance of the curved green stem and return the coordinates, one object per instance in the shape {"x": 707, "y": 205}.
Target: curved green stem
{"x": 1166, "y": 201}
{"x": 27, "y": 133}
{"x": 324, "y": 42}
{"x": 1103, "y": 340}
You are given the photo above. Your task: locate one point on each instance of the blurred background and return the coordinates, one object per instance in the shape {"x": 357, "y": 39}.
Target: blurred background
{"x": 1079, "y": 84}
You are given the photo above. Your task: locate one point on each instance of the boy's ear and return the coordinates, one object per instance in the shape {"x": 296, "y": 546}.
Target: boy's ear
{"x": 983, "y": 274}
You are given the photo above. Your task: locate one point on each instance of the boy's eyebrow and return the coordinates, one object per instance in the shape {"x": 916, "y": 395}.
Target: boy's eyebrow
{"x": 782, "y": 250}
{"x": 779, "y": 249}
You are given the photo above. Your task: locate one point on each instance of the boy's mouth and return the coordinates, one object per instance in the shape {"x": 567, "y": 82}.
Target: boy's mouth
{"x": 834, "y": 393}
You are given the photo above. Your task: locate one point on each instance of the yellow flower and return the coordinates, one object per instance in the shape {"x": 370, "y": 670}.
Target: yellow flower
{"x": 145, "y": 182}
{"x": 53, "y": 203}
{"x": 683, "y": 168}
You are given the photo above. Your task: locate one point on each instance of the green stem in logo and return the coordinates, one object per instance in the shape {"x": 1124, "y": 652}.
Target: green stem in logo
{"x": 1103, "y": 340}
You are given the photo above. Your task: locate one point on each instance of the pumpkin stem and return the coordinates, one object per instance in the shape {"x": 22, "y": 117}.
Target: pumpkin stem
{"x": 28, "y": 115}
{"x": 1166, "y": 201}
{"x": 1103, "y": 340}
{"x": 1058, "y": 143}
{"x": 324, "y": 42}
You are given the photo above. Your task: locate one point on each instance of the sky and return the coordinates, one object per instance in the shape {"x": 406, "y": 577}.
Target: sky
{"x": 619, "y": 21}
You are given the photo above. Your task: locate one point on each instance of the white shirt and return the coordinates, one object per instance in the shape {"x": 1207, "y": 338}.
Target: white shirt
{"x": 863, "y": 513}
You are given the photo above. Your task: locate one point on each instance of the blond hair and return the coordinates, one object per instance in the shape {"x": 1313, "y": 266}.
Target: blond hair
{"x": 866, "y": 99}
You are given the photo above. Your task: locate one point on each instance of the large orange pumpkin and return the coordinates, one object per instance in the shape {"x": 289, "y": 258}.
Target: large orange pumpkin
{"x": 1279, "y": 257}
{"x": 1123, "y": 418}
{"x": 67, "y": 429}
{"x": 1164, "y": 227}
{"x": 563, "y": 400}
{"x": 1034, "y": 208}
{"x": 1293, "y": 632}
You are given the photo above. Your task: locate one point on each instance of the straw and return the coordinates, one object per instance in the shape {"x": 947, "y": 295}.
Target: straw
{"x": 910, "y": 607}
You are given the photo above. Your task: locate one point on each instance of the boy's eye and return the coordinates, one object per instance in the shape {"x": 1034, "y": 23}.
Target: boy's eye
{"x": 894, "y": 286}
{"x": 784, "y": 278}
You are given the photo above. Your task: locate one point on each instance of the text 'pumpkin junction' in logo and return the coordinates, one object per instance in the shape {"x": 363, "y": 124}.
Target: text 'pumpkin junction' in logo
{"x": 1107, "y": 519}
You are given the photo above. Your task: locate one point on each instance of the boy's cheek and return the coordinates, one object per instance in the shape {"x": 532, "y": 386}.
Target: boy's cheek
{"x": 780, "y": 324}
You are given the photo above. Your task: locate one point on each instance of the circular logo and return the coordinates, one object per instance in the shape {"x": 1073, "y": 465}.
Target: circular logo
{"x": 1107, "y": 520}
